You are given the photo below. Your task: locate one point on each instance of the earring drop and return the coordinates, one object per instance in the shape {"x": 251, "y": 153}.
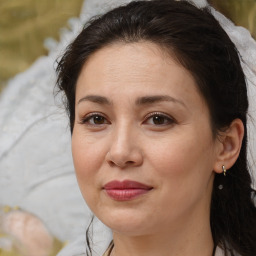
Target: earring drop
{"x": 224, "y": 170}
{"x": 220, "y": 187}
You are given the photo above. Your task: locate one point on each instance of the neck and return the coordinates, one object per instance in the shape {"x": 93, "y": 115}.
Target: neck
{"x": 186, "y": 238}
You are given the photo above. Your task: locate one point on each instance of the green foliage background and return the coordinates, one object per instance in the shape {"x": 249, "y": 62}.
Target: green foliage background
{"x": 24, "y": 24}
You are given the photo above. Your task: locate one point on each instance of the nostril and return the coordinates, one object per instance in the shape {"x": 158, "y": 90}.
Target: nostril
{"x": 121, "y": 165}
{"x": 111, "y": 163}
{"x": 130, "y": 162}
{"x": 124, "y": 159}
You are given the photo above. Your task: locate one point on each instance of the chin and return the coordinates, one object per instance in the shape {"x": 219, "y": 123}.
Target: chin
{"x": 127, "y": 222}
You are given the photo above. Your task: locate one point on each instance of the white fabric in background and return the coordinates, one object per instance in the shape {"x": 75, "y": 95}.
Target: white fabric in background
{"x": 36, "y": 170}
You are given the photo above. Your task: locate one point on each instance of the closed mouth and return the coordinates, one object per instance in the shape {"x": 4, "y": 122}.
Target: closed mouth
{"x": 125, "y": 190}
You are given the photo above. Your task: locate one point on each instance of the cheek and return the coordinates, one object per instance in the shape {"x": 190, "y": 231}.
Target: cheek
{"x": 183, "y": 173}
{"x": 184, "y": 162}
{"x": 87, "y": 158}
{"x": 173, "y": 156}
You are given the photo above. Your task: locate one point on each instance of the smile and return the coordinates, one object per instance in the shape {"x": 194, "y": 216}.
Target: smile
{"x": 125, "y": 190}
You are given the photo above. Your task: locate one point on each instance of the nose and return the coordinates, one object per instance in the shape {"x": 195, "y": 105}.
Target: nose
{"x": 124, "y": 150}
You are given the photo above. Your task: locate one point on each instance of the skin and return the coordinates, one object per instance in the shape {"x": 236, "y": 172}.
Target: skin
{"x": 176, "y": 156}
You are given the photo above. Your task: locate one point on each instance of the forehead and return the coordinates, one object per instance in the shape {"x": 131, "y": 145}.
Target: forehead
{"x": 135, "y": 69}
{"x": 126, "y": 60}
{"x": 122, "y": 61}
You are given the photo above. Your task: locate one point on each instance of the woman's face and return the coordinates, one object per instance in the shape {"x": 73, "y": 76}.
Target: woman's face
{"x": 142, "y": 144}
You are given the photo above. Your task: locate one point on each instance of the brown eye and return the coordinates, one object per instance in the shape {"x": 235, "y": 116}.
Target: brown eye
{"x": 98, "y": 119}
{"x": 94, "y": 120}
{"x": 159, "y": 119}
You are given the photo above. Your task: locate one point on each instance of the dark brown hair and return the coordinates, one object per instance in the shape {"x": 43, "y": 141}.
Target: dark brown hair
{"x": 198, "y": 42}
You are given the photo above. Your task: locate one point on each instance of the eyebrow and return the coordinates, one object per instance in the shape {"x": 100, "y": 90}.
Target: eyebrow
{"x": 95, "y": 99}
{"x": 145, "y": 100}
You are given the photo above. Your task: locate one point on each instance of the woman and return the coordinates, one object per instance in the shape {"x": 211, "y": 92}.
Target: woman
{"x": 157, "y": 102}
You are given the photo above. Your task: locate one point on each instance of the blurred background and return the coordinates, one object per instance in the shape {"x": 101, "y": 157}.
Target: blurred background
{"x": 37, "y": 165}
{"x": 25, "y": 24}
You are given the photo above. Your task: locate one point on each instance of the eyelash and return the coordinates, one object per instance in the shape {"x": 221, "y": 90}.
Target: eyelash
{"x": 87, "y": 118}
{"x": 168, "y": 120}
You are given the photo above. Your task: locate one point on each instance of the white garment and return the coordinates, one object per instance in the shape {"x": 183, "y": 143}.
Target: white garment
{"x": 76, "y": 248}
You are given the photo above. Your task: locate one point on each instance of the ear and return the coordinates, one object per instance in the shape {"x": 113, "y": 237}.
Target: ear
{"x": 229, "y": 145}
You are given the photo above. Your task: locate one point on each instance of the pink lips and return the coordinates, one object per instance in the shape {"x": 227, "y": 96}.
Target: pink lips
{"x": 125, "y": 190}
